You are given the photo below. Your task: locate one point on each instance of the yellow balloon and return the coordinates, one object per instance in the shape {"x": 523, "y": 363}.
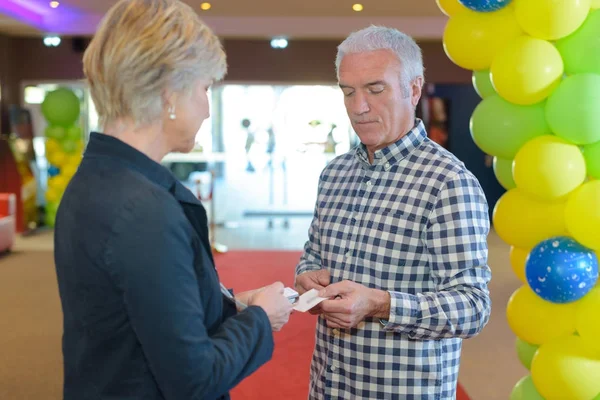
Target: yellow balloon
{"x": 551, "y": 19}
{"x": 472, "y": 39}
{"x": 536, "y": 320}
{"x": 58, "y": 183}
{"x": 524, "y": 221}
{"x": 53, "y": 195}
{"x": 549, "y": 167}
{"x": 518, "y": 257}
{"x": 527, "y": 70}
{"x": 595, "y": 4}
{"x": 588, "y": 318}
{"x": 582, "y": 214}
{"x": 450, "y": 7}
{"x": 564, "y": 368}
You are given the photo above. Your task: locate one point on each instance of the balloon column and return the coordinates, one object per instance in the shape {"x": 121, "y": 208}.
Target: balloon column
{"x": 536, "y": 66}
{"x": 64, "y": 145}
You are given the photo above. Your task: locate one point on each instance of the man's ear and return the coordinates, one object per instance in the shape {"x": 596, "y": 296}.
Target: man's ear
{"x": 416, "y": 89}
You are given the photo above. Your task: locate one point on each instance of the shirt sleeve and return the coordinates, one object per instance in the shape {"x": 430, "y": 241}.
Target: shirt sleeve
{"x": 456, "y": 239}
{"x": 311, "y": 257}
{"x": 152, "y": 251}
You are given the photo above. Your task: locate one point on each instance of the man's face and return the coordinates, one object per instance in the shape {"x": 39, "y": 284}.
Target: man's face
{"x": 379, "y": 102}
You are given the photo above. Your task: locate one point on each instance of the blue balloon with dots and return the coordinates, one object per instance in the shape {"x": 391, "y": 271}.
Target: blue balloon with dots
{"x": 485, "y": 5}
{"x": 560, "y": 270}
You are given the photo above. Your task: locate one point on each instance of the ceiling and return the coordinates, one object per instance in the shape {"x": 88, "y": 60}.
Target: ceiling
{"x": 238, "y": 18}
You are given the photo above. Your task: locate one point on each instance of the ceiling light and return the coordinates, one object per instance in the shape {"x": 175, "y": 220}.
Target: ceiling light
{"x": 279, "y": 43}
{"x": 205, "y": 6}
{"x": 357, "y": 7}
{"x": 52, "y": 41}
{"x": 54, "y": 4}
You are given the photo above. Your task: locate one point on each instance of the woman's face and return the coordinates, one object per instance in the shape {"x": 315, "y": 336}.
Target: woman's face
{"x": 191, "y": 109}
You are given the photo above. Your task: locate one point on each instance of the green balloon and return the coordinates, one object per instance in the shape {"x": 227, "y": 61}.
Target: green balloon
{"x": 591, "y": 152}
{"x": 74, "y": 132}
{"x": 503, "y": 172}
{"x": 55, "y": 132}
{"x": 51, "y": 210}
{"x": 573, "y": 110}
{"x": 580, "y": 51}
{"x": 501, "y": 128}
{"x": 525, "y": 352}
{"x": 525, "y": 390}
{"x": 483, "y": 84}
{"x": 61, "y": 107}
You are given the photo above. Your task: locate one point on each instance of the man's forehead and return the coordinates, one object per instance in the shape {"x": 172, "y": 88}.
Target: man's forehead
{"x": 368, "y": 67}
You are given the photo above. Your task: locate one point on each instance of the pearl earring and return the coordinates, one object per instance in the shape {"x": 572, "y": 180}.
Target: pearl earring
{"x": 172, "y": 115}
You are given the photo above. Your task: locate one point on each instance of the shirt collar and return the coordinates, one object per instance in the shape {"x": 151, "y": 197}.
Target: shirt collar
{"x": 396, "y": 151}
{"x": 101, "y": 145}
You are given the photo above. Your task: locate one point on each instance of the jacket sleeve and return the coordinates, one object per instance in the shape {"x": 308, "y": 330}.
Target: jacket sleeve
{"x": 151, "y": 249}
{"x": 456, "y": 239}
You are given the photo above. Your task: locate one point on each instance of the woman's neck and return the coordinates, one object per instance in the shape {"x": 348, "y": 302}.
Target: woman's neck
{"x": 148, "y": 139}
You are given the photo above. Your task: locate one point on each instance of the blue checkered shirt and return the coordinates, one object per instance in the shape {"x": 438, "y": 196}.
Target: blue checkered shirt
{"x": 414, "y": 223}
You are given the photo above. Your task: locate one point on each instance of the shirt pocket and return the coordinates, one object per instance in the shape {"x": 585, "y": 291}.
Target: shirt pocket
{"x": 392, "y": 250}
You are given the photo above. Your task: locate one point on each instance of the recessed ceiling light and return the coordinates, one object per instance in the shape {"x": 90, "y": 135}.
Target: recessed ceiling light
{"x": 205, "y": 6}
{"x": 54, "y": 4}
{"x": 357, "y": 7}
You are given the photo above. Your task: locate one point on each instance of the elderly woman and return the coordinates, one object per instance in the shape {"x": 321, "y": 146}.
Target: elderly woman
{"x": 144, "y": 314}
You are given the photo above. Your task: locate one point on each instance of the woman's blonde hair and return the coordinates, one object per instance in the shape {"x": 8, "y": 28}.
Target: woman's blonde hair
{"x": 144, "y": 49}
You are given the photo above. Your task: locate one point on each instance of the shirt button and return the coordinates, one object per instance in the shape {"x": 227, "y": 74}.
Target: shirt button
{"x": 333, "y": 368}
{"x": 387, "y": 166}
{"x": 336, "y": 332}
{"x": 369, "y": 183}
{"x": 348, "y": 254}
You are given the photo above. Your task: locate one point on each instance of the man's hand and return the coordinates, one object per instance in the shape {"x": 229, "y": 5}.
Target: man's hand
{"x": 351, "y": 303}
{"x": 312, "y": 280}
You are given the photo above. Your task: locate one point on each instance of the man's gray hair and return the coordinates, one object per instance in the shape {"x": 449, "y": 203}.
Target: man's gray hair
{"x": 384, "y": 38}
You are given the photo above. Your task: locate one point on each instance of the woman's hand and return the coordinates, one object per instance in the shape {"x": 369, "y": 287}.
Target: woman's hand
{"x": 275, "y": 304}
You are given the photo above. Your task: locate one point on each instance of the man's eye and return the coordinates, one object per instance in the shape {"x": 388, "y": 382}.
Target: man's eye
{"x": 376, "y": 89}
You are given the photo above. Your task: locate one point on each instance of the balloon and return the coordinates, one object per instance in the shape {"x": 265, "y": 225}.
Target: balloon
{"x": 61, "y": 107}
{"x": 53, "y": 171}
{"x": 591, "y": 152}
{"x": 51, "y": 209}
{"x": 472, "y": 39}
{"x": 596, "y": 4}
{"x": 55, "y": 132}
{"x": 537, "y": 321}
{"x": 53, "y": 195}
{"x": 69, "y": 146}
{"x": 551, "y": 19}
{"x": 523, "y": 221}
{"x": 450, "y": 7}
{"x": 500, "y": 128}
{"x": 482, "y": 83}
{"x": 485, "y": 5}
{"x": 74, "y": 133}
{"x": 549, "y": 167}
{"x": 572, "y": 110}
{"x": 525, "y": 351}
{"x": 525, "y": 390}
{"x": 58, "y": 183}
{"x": 582, "y": 215}
{"x": 527, "y": 70}
{"x": 503, "y": 172}
{"x": 54, "y": 153}
{"x": 560, "y": 270}
{"x": 581, "y": 50}
{"x": 518, "y": 257}
{"x": 564, "y": 368}
{"x": 587, "y": 320}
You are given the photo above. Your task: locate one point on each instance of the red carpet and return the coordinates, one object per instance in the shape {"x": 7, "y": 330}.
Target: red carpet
{"x": 286, "y": 375}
